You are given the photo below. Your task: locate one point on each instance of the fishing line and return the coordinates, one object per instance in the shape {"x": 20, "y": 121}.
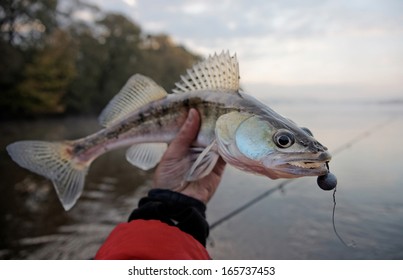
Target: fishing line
{"x": 341, "y": 148}
{"x": 333, "y": 222}
{"x": 365, "y": 134}
{"x": 334, "y": 210}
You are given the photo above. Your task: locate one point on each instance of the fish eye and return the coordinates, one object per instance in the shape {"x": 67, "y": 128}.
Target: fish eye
{"x": 283, "y": 139}
{"x": 307, "y": 131}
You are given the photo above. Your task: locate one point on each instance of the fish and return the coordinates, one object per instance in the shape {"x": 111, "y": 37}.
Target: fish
{"x": 235, "y": 126}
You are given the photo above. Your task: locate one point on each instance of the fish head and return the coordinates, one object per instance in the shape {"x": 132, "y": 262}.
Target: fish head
{"x": 276, "y": 148}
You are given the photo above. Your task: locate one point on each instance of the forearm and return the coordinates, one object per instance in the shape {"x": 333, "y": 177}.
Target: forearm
{"x": 166, "y": 225}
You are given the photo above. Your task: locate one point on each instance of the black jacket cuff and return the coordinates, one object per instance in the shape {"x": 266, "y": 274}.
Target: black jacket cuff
{"x": 175, "y": 209}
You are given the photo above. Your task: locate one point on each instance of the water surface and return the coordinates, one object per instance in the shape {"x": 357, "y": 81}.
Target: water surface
{"x": 293, "y": 222}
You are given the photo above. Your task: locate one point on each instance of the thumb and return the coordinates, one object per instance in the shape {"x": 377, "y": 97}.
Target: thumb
{"x": 187, "y": 133}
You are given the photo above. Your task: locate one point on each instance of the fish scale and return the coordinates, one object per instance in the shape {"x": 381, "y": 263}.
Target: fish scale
{"x": 143, "y": 117}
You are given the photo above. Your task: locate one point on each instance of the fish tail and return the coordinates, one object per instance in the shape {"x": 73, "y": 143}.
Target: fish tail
{"x": 55, "y": 161}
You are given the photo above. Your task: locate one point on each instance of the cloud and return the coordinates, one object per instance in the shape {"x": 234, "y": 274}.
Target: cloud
{"x": 130, "y": 2}
{"x": 287, "y": 42}
{"x": 194, "y": 8}
{"x": 198, "y": 19}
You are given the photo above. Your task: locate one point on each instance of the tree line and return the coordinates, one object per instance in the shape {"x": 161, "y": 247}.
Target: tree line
{"x": 53, "y": 63}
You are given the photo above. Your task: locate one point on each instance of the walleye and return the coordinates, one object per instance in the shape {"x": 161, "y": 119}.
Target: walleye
{"x": 244, "y": 132}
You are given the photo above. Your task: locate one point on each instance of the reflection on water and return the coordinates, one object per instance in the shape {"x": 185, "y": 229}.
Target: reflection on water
{"x": 293, "y": 222}
{"x": 33, "y": 223}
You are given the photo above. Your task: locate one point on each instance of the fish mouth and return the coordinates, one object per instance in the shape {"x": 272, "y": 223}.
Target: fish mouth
{"x": 302, "y": 166}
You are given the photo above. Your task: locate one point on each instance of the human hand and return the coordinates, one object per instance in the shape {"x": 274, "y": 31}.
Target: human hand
{"x": 177, "y": 160}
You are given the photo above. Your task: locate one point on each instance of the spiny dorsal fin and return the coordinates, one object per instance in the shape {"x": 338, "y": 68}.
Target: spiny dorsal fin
{"x": 217, "y": 72}
{"x": 138, "y": 91}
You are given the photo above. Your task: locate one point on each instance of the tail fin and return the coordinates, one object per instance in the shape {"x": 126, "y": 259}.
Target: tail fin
{"x": 55, "y": 161}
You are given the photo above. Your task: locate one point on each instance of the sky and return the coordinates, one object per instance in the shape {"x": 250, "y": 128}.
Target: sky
{"x": 335, "y": 48}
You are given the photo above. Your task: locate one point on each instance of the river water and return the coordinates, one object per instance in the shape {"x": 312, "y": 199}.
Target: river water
{"x": 293, "y": 220}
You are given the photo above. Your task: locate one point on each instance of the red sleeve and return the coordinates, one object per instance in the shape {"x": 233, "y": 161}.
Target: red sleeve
{"x": 150, "y": 239}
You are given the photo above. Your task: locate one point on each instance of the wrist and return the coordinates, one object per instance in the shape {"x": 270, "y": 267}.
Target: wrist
{"x": 175, "y": 209}
{"x": 199, "y": 194}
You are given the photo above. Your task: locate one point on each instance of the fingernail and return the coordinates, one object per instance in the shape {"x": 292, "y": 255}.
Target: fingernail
{"x": 190, "y": 115}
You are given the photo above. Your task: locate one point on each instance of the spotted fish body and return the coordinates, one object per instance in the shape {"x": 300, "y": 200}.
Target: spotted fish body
{"x": 244, "y": 132}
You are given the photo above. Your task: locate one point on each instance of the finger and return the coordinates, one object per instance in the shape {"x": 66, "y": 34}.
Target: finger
{"x": 220, "y": 166}
{"x": 187, "y": 133}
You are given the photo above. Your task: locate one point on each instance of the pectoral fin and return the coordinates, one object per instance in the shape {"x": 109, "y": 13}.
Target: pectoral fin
{"x": 204, "y": 163}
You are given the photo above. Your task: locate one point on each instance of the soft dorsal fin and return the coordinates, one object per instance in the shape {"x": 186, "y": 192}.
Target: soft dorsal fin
{"x": 217, "y": 72}
{"x": 138, "y": 91}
